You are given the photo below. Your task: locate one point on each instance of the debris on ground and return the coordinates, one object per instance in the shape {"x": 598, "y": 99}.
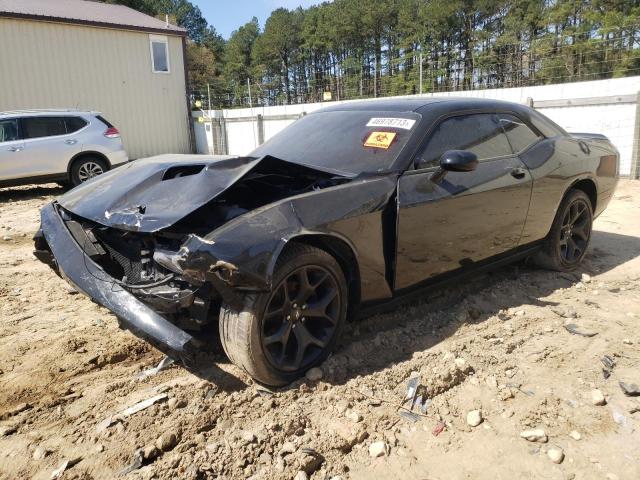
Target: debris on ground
{"x": 491, "y": 344}
{"x": 64, "y": 466}
{"x": 630, "y": 389}
{"x": 142, "y": 405}
{"x": 135, "y": 464}
{"x": 165, "y": 363}
{"x": 576, "y": 330}
{"x": 438, "y": 429}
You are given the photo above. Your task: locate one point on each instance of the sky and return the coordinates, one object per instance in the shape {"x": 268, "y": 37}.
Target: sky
{"x": 227, "y": 15}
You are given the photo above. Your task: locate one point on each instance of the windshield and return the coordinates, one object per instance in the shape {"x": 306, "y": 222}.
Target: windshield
{"x": 345, "y": 141}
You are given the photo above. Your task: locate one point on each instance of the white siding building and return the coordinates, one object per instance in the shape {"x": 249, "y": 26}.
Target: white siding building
{"x": 75, "y": 54}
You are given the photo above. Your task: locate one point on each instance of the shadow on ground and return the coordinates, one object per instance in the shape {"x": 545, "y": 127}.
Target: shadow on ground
{"x": 441, "y": 311}
{"x": 30, "y": 192}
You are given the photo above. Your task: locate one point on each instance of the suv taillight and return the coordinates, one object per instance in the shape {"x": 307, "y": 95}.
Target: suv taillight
{"x": 112, "y": 132}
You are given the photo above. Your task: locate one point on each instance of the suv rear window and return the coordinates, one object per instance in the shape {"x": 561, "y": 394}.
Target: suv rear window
{"x": 37, "y": 127}
{"x": 104, "y": 120}
{"x": 74, "y": 124}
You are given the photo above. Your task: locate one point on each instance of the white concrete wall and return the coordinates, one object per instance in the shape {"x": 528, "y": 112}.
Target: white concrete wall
{"x": 616, "y": 121}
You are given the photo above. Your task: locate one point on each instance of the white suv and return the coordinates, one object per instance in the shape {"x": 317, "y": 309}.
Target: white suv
{"x": 67, "y": 147}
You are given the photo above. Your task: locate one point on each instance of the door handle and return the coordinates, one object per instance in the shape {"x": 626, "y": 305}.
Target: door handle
{"x": 518, "y": 173}
{"x": 71, "y": 142}
{"x": 15, "y": 149}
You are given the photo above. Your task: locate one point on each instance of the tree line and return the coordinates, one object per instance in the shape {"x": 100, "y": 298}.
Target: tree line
{"x": 370, "y": 48}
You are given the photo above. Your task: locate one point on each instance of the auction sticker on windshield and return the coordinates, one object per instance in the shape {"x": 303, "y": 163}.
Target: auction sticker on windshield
{"x": 380, "y": 139}
{"x": 405, "y": 123}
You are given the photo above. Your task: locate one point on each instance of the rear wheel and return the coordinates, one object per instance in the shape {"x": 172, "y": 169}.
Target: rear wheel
{"x": 567, "y": 242}
{"x": 86, "y": 168}
{"x": 279, "y": 335}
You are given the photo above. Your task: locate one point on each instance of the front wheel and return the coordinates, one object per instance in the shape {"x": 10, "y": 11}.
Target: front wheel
{"x": 567, "y": 242}
{"x": 279, "y": 335}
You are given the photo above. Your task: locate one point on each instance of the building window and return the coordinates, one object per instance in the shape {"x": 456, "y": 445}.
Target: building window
{"x": 159, "y": 54}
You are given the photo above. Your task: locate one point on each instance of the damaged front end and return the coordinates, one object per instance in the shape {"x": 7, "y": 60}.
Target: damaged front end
{"x": 84, "y": 261}
{"x": 165, "y": 284}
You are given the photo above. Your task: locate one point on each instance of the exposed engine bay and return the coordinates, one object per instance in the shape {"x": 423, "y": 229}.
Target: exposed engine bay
{"x": 137, "y": 261}
{"x": 269, "y": 181}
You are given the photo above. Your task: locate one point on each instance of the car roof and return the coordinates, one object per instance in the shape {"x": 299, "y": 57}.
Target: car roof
{"x": 46, "y": 112}
{"x": 418, "y": 104}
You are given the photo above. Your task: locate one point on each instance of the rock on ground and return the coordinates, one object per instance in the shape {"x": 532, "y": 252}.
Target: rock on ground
{"x": 537, "y": 435}
{"x": 378, "y": 449}
{"x": 166, "y": 441}
{"x": 597, "y": 397}
{"x": 555, "y": 454}
{"x": 474, "y": 418}
{"x": 314, "y": 374}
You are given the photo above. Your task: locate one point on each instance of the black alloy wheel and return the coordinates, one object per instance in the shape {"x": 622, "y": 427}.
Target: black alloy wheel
{"x": 277, "y": 335}
{"x": 566, "y": 245}
{"x": 301, "y": 318}
{"x": 575, "y": 231}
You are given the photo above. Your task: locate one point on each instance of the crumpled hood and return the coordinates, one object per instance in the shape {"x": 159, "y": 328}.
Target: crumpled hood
{"x": 151, "y": 194}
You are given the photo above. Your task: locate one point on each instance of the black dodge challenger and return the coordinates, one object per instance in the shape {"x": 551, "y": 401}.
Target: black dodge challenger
{"x": 348, "y": 208}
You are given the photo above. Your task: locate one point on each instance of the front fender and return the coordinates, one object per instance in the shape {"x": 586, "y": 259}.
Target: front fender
{"x": 250, "y": 244}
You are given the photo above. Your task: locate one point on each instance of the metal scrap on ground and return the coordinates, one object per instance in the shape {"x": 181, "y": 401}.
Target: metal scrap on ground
{"x": 142, "y": 405}
{"x": 135, "y": 464}
{"x": 135, "y": 408}
{"x": 412, "y": 401}
{"x": 630, "y": 389}
{"x": 575, "y": 330}
{"x": 166, "y": 362}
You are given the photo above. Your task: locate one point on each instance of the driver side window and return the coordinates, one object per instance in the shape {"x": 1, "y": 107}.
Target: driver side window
{"x": 479, "y": 133}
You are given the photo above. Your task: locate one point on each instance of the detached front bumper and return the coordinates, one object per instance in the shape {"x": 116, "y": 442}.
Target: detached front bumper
{"x": 84, "y": 274}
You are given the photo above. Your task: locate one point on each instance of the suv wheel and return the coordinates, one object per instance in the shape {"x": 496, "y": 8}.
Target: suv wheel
{"x": 87, "y": 168}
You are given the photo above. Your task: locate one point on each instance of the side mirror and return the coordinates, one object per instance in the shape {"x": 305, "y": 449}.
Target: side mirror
{"x": 459, "y": 161}
{"x": 455, "y": 161}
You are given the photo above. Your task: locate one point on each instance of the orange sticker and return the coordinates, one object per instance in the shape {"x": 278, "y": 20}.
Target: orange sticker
{"x": 380, "y": 139}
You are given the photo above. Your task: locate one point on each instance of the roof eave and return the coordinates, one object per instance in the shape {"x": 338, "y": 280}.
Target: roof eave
{"x": 114, "y": 26}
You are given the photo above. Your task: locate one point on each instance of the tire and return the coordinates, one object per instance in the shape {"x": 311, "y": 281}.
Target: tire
{"x": 568, "y": 231}
{"x": 264, "y": 338}
{"x": 85, "y": 168}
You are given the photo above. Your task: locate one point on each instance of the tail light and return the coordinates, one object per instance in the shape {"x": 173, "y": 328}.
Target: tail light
{"x": 112, "y": 132}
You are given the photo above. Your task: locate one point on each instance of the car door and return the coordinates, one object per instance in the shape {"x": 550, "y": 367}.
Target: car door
{"x": 466, "y": 217}
{"x": 48, "y": 148}
{"x": 11, "y": 149}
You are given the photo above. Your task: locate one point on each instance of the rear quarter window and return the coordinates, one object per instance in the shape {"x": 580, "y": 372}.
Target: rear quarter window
{"x": 104, "y": 120}
{"x": 75, "y": 123}
{"x": 519, "y": 134}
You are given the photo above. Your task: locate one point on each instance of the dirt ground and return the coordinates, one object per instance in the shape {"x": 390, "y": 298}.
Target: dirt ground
{"x": 496, "y": 344}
